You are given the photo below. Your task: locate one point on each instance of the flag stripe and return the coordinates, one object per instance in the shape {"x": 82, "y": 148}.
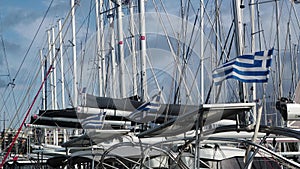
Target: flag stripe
{"x": 245, "y": 64}
{"x": 242, "y": 72}
{"x": 246, "y": 79}
{"x": 224, "y": 70}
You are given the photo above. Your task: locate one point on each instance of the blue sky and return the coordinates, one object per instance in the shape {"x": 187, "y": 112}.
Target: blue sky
{"x": 19, "y": 23}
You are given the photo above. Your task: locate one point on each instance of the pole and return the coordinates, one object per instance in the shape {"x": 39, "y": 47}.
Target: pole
{"x": 51, "y": 76}
{"x": 239, "y": 41}
{"x": 143, "y": 55}
{"x": 100, "y": 68}
{"x": 278, "y": 47}
{"x": 133, "y": 49}
{"x": 102, "y": 52}
{"x": 252, "y": 10}
{"x": 55, "y": 134}
{"x": 112, "y": 46}
{"x": 202, "y": 48}
{"x": 74, "y": 54}
{"x": 54, "y": 68}
{"x": 121, "y": 48}
{"x": 43, "y": 77}
{"x": 61, "y": 64}
{"x": 197, "y": 145}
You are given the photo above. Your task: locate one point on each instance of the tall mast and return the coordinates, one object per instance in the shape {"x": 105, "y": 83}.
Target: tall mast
{"x": 43, "y": 77}
{"x": 239, "y": 41}
{"x": 256, "y": 115}
{"x": 252, "y": 19}
{"x": 278, "y": 47}
{"x": 54, "y": 68}
{"x": 143, "y": 54}
{"x": 55, "y": 132}
{"x": 51, "y": 75}
{"x": 133, "y": 53}
{"x": 112, "y": 48}
{"x": 100, "y": 68}
{"x": 62, "y": 72}
{"x": 215, "y": 59}
{"x": 202, "y": 49}
{"x": 121, "y": 48}
{"x": 74, "y": 54}
{"x": 102, "y": 52}
{"x": 197, "y": 152}
{"x": 61, "y": 64}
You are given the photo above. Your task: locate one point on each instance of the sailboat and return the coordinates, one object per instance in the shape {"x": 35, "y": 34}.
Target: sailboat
{"x": 156, "y": 116}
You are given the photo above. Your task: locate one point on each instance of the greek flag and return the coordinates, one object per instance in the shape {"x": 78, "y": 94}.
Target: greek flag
{"x": 147, "y": 111}
{"x": 94, "y": 121}
{"x": 246, "y": 68}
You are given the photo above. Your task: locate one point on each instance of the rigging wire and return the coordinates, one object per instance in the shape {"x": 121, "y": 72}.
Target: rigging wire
{"x": 31, "y": 83}
{"x": 12, "y": 82}
{"x": 9, "y": 84}
{"x": 187, "y": 57}
{"x": 35, "y": 98}
{"x": 9, "y": 76}
{"x": 6, "y": 62}
{"x": 225, "y": 51}
{"x": 85, "y": 41}
{"x": 67, "y": 82}
{"x": 33, "y": 40}
{"x": 287, "y": 40}
{"x": 183, "y": 58}
{"x": 171, "y": 48}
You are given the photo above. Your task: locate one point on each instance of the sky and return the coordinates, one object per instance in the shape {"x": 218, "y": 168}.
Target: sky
{"x": 20, "y": 20}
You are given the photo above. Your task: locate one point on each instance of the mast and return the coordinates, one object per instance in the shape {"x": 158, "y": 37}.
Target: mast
{"x": 144, "y": 88}
{"x": 293, "y": 84}
{"x": 252, "y": 19}
{"x": 102, "y": 52}
{"x": 55, "y": 132}
{"x": 43, "y": 77}
{"x": 100, "y": 68}
{"x": 54, "y": 68}
{"x": 62, "y": 72}
{"x": 51, "y": 75}
{"x": 202, "y": 48}
{"x": 121, "y": 48}
{"x": 215, "y": 59}
{"x": 256, "y": 115}
{"x": 112, "y": 48}
{"x": 74, "y": 53}
{"x": 239, "y": 42}
{"x": 197, "y": 152}
{"x": 61, "y": 64}
{"x": 45, "y": 91}
{"x": 278, "y": 47}
{"x": 133, "y": 54}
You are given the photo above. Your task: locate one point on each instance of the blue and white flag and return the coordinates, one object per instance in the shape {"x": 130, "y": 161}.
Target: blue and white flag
{"x": 147, "y": 111}
{"x": 94, "y": 121}
{"x": 246, "y": 68}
